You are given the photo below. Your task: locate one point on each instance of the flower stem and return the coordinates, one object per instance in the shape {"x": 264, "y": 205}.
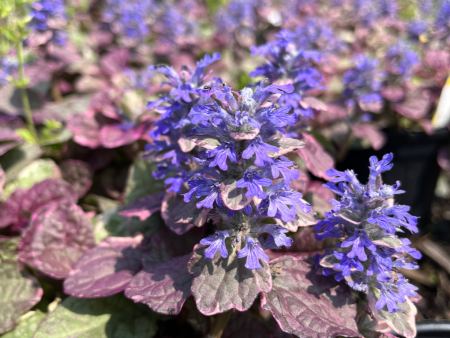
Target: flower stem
{"x": 219, "y": 324}
{"x": 24, "y": 95}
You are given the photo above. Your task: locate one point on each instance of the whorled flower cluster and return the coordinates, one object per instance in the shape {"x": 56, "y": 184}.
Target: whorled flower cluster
{"x": 286, "y": 59}
{"x": 366, "y": 221}
{"x": 49, "y": 15}
{"x": 241, "y": 177}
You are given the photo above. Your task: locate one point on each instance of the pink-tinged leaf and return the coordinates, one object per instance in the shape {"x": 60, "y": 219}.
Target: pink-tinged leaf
{"x": 301, "y": 220}
{"x": 271, "y": 100}
{"x": 329, "y": 261}
{"x": 285, "y": 146}
{"x": 234, "y": 198}
{"x": 305, "y": 241}
{"x": 350, "y": 216}
{"x": 45, "y": 192}
{"x": 112, "y": 136}
{"x": 335, "y": 111}
{"x": 370, "y": 133}
{"x": 57, "y": 237}
{"x": 41, "y": 71}
{"x": 373, "y": 106}
{"x": 106, "y": 269}
{"x": 245, "y": 135}
{"x": 443, "y": 158}
{"x": 242, "y": 325}
{"x": 19, "y": 292}
{"x": 180, "y": 216}
{"x": 166, "y": 244}
{"x": 314, "y": 103}
{"x": 9, "y": 213}
{"x": 115, "y": 61}
{"x": 79, "y": 174}
{"x": 320, "y": 197}
{"x": 416, "y": 105}
{"x": 388, "y": 241}
{"x": 86, "y": 130}
{"x": 144, "y": 207}
{"x": 205, "y": 141}
{"x": 318, "y": 161}
{"x": 101, "y": 103}
{"x": 185, "y": 144}
{"x": 7, "y": 134}
{"x": 369, "y": 328}
{"x": 163, "y": 287}
{"x": 222, "y": 284}
{"x": 401, "y": 322}
{"x": 393, "y": 94}
{"x": 307, "y": 304}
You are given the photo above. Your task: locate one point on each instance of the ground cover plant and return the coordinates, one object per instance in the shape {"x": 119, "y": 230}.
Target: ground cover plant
{"x": 168, "y": 168}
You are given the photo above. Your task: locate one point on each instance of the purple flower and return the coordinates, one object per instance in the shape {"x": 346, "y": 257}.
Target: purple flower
{"x": 390, "y": 299}
{"x": 175, "y": 182}
{"x": 258, "y": 148}
{"x": 276, "y": 238}
{"x": 221, "y": 153}
{"x": 253, "y": 252}
{"x": 385, "y": 222}
{"x": 253, "y": 182}
{"x": 281, "y": 165}
{"x": 377, "y": 167}
{"x": 216, "y": 242}
{"x": 347, "y": 264}
{"x": 204, "y": 187}
{"x": 358, "y": 241}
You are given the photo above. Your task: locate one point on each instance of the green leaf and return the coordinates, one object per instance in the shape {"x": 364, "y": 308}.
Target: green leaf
{"x": 18, "y": 158}
{"x": 49, "y": 137}
{"x": 141, "y": 182}
{"x": 28, "y": 324}
{"x": 107, "y": 317}
{"x": 36, "y": 172}
{"x": 26, "y": 135}
{"x": 109, "y": 223}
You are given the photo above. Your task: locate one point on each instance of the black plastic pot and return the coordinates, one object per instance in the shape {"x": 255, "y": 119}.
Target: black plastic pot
{"x": 415, "y": 166}
{"x": 431, "y": 328}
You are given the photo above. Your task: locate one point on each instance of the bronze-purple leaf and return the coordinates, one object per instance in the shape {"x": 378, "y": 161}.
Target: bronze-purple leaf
{"x": 58, "y": 235}
{"x": 19, "y": 292}
{"x": 105, "y": 269}
{"x": 144, "y": 207}
{"x": 307, "y": 304}
{"x": 180, "y": 216}
{"x": 234, "y": 198}
{"x": 164, "y": 287}
{"x": 318, "y": 161}
{"x": 222, "y": 284}
{"x": 78, "y": 174}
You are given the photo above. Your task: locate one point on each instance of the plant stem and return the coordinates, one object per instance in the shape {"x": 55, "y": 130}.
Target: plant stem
{"x": 219, "y": 324}
{"x": 24, "y": 95}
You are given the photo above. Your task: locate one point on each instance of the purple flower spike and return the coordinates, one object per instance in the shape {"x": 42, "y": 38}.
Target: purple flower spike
{"x": 259, "y": 149}
{"x": 253, "y": 252}
{"x": 216, "y": 242}
{"x": 390, "y": 299}
{"x": 277, "y": 236}
{"x": 221, "y": 153}
{"x": 359, "y": 241}
{"x": 347, "y": 264}
{"x": 253, "y": 182}
{"x": 377, "y": 167}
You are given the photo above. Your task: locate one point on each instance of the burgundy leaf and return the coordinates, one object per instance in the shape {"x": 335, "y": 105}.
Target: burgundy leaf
{"x": 112, "y": 136}
{"x": 144, "y": 207}
{"x": 285, "y": 146}
{"x": 78, "y": 174}
{"x": 317, "y": 159}
{"x": 401, "y": 322}
{"x": 180, "y": 216}
{"x": 105, "y": 269}
{"x": 233, "y": 197}
{"x": 305, "y": 241}
{"x": 163, "y": 287}
{"x": 307, "y": 304}
{"x": 86, "y": 130}
{"x": 45, "y": 192}
{"x": 9, "y": 213}
{"x": 58, "y": 235}
{"x": 222, "y": 284}
{"x": 320, "y": 197}
{"x": 19, "y": 292}
{"x": 370, "y": 133}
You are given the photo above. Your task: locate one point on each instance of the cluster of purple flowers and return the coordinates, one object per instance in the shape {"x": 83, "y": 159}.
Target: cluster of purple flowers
{"x": 366, "y": 221}
{"x": 401, "y": 60}
{"x": 241, "y": 177}
{"x": 7, "y": 68}
{"x": 287, "y": 59}
{"x": 370, "y": 11}
{"x": 363, "y": 82}
{"x": 443, "y": 19}
{"x": 129, "y": 17}
{"x": 49, "y": 15}
{"x": 238, "y": 17}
